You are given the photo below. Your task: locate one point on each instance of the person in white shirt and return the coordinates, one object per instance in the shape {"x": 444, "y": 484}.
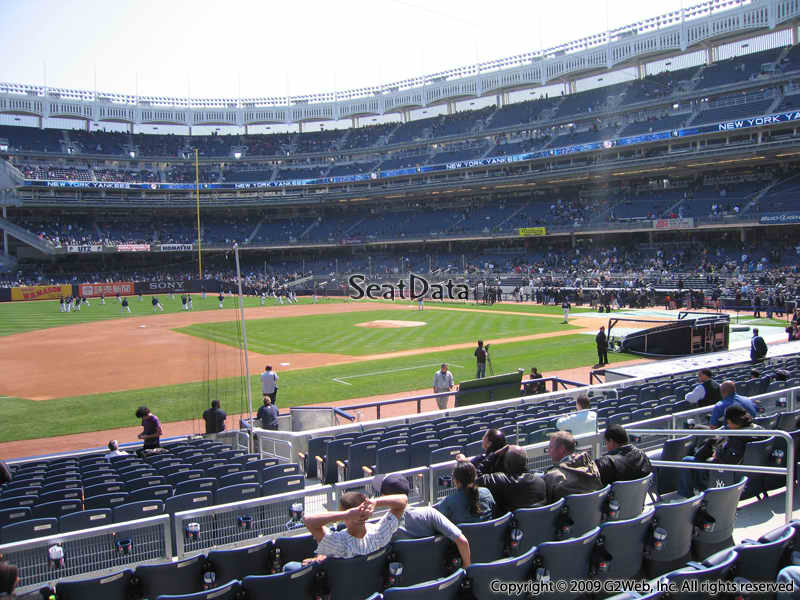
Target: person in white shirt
{"x": 359, "y": 538}
{"x": 443, "y": 382}
{"x": 580, "y": 422}
{"x": 113, "y": 447}
{"x": 269, "y": 384}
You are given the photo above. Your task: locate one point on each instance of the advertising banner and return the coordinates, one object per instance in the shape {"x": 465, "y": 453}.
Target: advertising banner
{"x": 176, "y": 247}
{"x": 532, "y": 231}
{"x": 673, "y": 223}
{"x": 41, "y": 292}
{"x": 178, "y": 286}
{"x": 779, "y": 218}
{"x": 84, "y": 249}
{"x": 95, "y": 290}
{"x": 133, "y": 248}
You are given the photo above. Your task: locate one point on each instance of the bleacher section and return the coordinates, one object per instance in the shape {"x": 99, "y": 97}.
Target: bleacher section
{"x": 734, "y": 70}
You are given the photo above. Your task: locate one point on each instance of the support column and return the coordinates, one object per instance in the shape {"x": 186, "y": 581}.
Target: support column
{"x": 300, "y": 126}
{"x": 641, "y": 70}
{"x": 649, "y": 237}
{"x": 571, "y": 86}
{"x": 742, "y": 235}
{"x": 5, "y": 235}
{"x": 499, "y": 100}
{"x": 354, "y": 122}
{"x": 451, "y": 107}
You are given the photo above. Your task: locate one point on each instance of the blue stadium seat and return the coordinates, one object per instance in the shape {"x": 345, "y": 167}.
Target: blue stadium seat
{"x": 487, "y": 540}
{"x": 357, "y": 577}
{"x": 538, "y": 524}
{"x": 116, "y": 586}
{"x": 182, "y": 577}
{"x": 240, "y": 477}
{"x": 677, "y": 519}
{"x": 361, "y": 454}
{"x": 721, "y": 503}
{"x": 448, "y": 588}
{"x": 140, "y": 483}
{"x": 631, "y": 496}
{"x": 188, "y": 501}
{"x": 107, "y": 487}
{"x": 155, "y": 492}
{"x": 241, "y": 562}
{"x": 258, "y": 464}
{"x": 223, "y": 470}
{"x": 228, "y": 591}
{"x": 105, "y": 500}
{"x": 626, "y": 541}
{"x": 184, "y": 476}
{"x": 23, "y": 530}
{"x": 444, "y": 454}
{"x": 29, "y": 490}
{"x": 423, "y": 559}
{"x": 174, "y": 469}
{"x": 13, "y": 515}
{"x": 202, "y": 484}
{"x": 290, "y": 585}
{"x": 567, "y": 560}
{"x": 280, "y": 485}
{"x": 761, "y": 561}
{"x": 236, "y": 493}
{"x": 279, "y": 471}
{"x": 295, "y": 548}
{"x": 60, "y": 495}
{"x": 50, "y": 485}
{"x": 586, "y": 510}
{"x": 517, "y": 569}
{"x": 316, "y": 449}
{"x": 56, "y": 509}
{"x": 85, "y": 519}
{"x": 420, "y": 452}
{"x": 138, "y": 510}
{"x": 335, "y": 450}
{"x": 723, "y": 564}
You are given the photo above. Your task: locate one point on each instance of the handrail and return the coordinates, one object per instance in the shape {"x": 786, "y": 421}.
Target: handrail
{"x": 766, "y": 433}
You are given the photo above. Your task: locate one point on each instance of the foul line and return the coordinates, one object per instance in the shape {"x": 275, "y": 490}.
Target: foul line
{"x": 341, "y": 379}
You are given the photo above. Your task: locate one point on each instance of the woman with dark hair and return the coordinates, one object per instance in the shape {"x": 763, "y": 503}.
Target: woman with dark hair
{"x": 9, "y": 578}
{"x": 470, "y": 503}
{"x": 494, "y": 448}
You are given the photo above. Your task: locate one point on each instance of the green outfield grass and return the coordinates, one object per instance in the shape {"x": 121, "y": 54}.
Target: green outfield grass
{"x": 742, "y": 320}
{"x": 305, "y": 386}
{"x": 19, "y": 317}
{"x": 338, "y": 333}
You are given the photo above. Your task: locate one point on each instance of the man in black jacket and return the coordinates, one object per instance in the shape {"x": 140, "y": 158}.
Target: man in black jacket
{"x": 706, "y": 392}
{"x": 515, "y": 487}
{"x": 623, "y": 461}
{"x": 602, "y": 347}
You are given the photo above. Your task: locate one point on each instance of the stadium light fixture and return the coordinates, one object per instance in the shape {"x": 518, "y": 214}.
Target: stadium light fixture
{"x": 237, "y": 155}
{"x": 132, "y": 154}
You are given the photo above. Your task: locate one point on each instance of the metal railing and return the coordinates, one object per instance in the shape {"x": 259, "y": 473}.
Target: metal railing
{"x": 107, "y": 548}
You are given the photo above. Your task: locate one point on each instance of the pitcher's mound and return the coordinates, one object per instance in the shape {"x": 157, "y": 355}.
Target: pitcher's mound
{"x": 389, "y": 323}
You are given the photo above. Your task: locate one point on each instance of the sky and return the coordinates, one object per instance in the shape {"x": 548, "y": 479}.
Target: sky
{"x": 204, "y": 49}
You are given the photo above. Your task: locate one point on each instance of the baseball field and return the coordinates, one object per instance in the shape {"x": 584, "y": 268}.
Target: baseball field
{"x": 86, "y": 372}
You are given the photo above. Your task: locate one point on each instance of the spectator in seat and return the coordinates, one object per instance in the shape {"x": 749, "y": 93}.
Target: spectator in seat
{"x": 470, "y": 503}
{"x": 582, "y": 421}
{"x": 722, "y": 450}
{"x": 729, "y": 398}
{"x": 268, "y": 414}
{"x": 572, "y": 472}
{"x": 5, "y": 473}
{"x": 215, "y": 419}
{"x": 494, "y": 448}
{"x": 113, "y": 450}
{"x": 422, "y": 521}
{"x": 514, "y": 487}
{"x": 706, "y": 392}
{"x": 623, "y": 461}
{"x": 359, "y": 537}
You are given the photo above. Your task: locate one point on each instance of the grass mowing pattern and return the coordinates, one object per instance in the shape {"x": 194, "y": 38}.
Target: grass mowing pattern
{"x": 19, "y": 317}
{"x": 305, "y": 386}
{"x": 522, "y": 307}
{"x": 338, "y": 333}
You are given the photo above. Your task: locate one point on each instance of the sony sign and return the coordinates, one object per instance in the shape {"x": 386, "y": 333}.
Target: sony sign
{"x": 167, "y": 285}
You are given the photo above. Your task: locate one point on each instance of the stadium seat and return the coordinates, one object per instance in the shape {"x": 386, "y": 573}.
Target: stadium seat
{"x": 110, "y": 487}
{"x": 626, "y": 541}
{"x": 279, "y": 471}
{"x": 389, "y": 459}
{"x": 724, "y": 563}
{"x": 140, "y": 483}
{"x": 227, "y": 591}
{"x": 335, "y": 450}
{"x": 721, "y": 504}
{"x": 201, "y": 484}
{"x": 188, "y": 501}
{"x": 23, "y": 530}
{"x": 566, "y": 560}
{"x": 116, "y": 586}
{"x": 295, "y": 584}
{"x": 156, "y": 492}
{"x": 316, "y": 449}
{"x": 259, "y": 464}
{"x": 460, "y": 440}
{"x": 54, "y": 510}
{"x": 789, "y": 420}
{"x": 85, "y": 519}
{"x": 423, "y": 559}
{"x": 677, "y": 520}
{"x": 182, "y": 577}
{"x": 539, "y": 524}
{"x": 444, "y": 454}
{"x": 137, "y": 510}
{"x": 448, "y": 588}
{"x": 60, "y": 495}
{"x": 236, "y": 493}
{"x": 487, "y": 540}
{"x": 761, "y": 560}
{"x": 755, "y": 453}
{"x": 631, "y": 496}
{"x": 207, "y": 464}
{"x": 105, "y": 501}
{"x": 587, "y": 510}
{"x": 184, "y": 476}
{"x": 241, "y": 562}
{"x": 361, "y": 454}
{"x": 222, "y": 470}
{"x": 281, "y": 485}
{"x": 517, "y": 569}
{"x": 239, "y": 477}
{"x": 295, "y": 548}
{"x": 176, "y": 468}
{"x": 673, "y": 450}
{"x": 356, "y": 577}
{"x": 50, "y": 485}
{"x": 13, "y": 515}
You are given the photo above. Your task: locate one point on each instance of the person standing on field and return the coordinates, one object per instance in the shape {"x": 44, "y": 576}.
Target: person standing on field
{"x": 443, "y": 382}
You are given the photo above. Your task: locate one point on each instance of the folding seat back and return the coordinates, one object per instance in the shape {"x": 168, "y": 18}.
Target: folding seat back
{"x": 23, "y": 530}
{"x": 137, "y": 510}
{"x": 420, "y": 452}
{"x": 516, "y": 569}
{"x": 677, "y": 521}
{"x": 60, "y": 495}
{"x": 109, "y": 487}
{"x": 566, "y": 560}
{"x": 242, "y": 562}
{"x": 720, "y": 570}
{"x": 85, "y": 519}
{"x": 487, "y": 540}
{"x": 390, "y": 459}
{"x": 444, "y": 454}
{"x": 156, "y": 492}
{"x": 538, "y": 524}
{"x": 13, "y": 515}
{"x": 116, "y": 586}
{"x": 626, "y": 541}
{"x": 188, "y": 501}
{"x": 761, "y": 561}
{"x": 448, "y": 588}
{"x": 240, "y": 477}
{"x": 281, "y": 485}
{"x": 587, "y": 510}
{"x": 182, "y": 577}
{"x": 105, "y": 501}
{"x": 295, "y": 548}
{"x": 360, "y": 455}
{"x": 202, "y": 484}
{"x": 297, "y": 585}
{"x": 673, "y": 450}
{"x": 54, "y": 510}
{"x": 236, "y": 493}
{"x": 423, "y": 559}
{"x": 631, "y": 496}
{"x": 316, "y": 448}
{"x": 280, "y": 470}
{"x": 357, "y": 577}
{"x": 721, "y": 503}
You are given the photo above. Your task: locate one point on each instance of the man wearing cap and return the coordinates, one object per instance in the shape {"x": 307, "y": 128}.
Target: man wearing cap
{"x": 422, "y": 521}
{"x": 359, "y": 537}
{"x": 442, "y": 382}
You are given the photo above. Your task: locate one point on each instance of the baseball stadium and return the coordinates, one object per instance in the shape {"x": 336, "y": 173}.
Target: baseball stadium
{"x": 526, "y": 326}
